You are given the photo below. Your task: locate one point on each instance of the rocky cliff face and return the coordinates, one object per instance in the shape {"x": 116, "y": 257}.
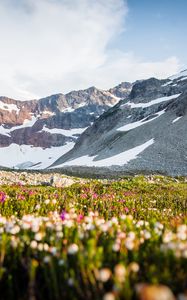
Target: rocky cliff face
{"x": 53, "y": 124}
{"x": 145, "y": 132}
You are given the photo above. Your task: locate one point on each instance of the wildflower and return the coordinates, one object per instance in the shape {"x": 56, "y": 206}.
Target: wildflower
{"x": 21, "y": 197}
{"x": 109, "y": 296}
{"x": 134, "y": 267}
{"x": 73, "y": 249}
{"x": 147, "y": 234}
{"x": 70, "y": 282}
{"x": 94, "y": 196}
{"x": 53, "y": 250}
{"x": 116, "y": 247}
{"x": 47, "y": 259}
{"x": 40, "y": 247}
{"x": 63, "y": 215}
{"x": 80, "y": 218}
{"x": 33, "y": 244}
{"x": 2, "y": 197}
{"x": 167, "y": 237}
{"x": 120, "y": 272}
{"x": 46, "y": 247}
{"x": 83, "y": 196}
{"x": 15, "y": 229}
{"x": 14, "y": 241}
{"x": 47, "y": 201}
{"x": 38, "y": 236}
{"x": 104, "y": 274}
{"x": 156, "y": 292}
{"x": 61, "y": 262}
{"x": 129, "y": 244}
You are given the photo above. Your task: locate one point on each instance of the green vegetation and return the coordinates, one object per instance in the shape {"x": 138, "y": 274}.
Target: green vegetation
{"x": 96, "y": 240}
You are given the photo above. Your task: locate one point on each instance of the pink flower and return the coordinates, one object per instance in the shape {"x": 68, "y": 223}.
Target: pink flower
{"x": 21, "y": 197}
{"x": 31, "y": 193}
{"x": 80, "y": 218}
{"x": 95, "y": 196}
{"x": 2, "y": 197}
{"x": 83, "y": 196}
{"x": 126, "y": 209}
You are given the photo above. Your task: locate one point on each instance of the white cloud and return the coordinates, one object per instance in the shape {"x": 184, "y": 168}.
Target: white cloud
{"x": 50, "y": 46}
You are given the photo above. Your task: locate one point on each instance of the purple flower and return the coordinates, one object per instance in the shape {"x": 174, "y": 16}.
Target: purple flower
{"x": 63, "y": 215}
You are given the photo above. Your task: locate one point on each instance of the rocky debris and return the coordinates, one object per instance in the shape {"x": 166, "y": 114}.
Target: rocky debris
{"x": 45, "y": 179}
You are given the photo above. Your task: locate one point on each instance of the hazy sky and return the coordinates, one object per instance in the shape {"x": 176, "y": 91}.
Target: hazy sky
{"x": 52, "y": 46}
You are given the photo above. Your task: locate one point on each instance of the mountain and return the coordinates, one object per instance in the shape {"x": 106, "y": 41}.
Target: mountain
{"x": 145, "y": 132}
{"x": 33, "y": 134}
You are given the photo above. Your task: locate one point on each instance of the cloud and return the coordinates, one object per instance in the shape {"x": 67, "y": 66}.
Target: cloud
{"x": 51, "y": 46}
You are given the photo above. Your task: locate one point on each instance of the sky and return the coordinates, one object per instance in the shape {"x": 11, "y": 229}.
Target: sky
{"x": 55, "y": 46}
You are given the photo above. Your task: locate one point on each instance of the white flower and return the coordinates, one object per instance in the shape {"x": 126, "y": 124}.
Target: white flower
{"x": 15, "y": 229}
{"x": 134, "y": 267}
{"x": 53, "y": 250}
{"x": 73, "y": 249}
{"x": 46, "y": 247}
{"x": 120, "y": 272}
{"x": 38, "y": 236}
{"x": 46, "y": 259}
{"x": 40, "y": 247}
{"x": 104, "y": 227}
{"x": 47, "y": 201}
{"x": 123, "y": 217}
{"x": 33, "y": 244}
{"x": 129, "y": 244}
{"x": 116, "y": 247}
{"x": 147, "y": 234}
{"x": 70, "y": 282}
{"x": 61, "y": 262}
{"x": 131, "y": 235}
{"x": 167, "y": 237}
{"x": 159, "y": 225}
{"x": 109, "y": 296}
{"x": 104, "y": 274}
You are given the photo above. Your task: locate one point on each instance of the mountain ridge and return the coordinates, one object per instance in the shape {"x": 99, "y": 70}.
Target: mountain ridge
{"x": 53, "y": 122}
{"x": 154, "y": 114}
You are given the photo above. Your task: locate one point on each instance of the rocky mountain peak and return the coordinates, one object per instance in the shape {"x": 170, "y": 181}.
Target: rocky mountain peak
{"x": 40, "y": 130}
{"x": 121, "y": 90}
{"x": 145, "y": 132}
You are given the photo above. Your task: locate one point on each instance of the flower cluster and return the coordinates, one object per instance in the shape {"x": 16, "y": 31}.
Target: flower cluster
{"x": 83, "y": 243}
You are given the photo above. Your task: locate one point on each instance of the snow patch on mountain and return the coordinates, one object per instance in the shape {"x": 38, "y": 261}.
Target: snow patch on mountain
{"x": 119, "y": 159}
{"x": 65, "y": 132}
{"x": 144, "y": 121}
{"x": 27, "y": 156}
{"x": 153, "y": 102}
{"x": 175, "y": 120}
{"x": 9, "y": 107}
{"x": 26, "y": 123}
